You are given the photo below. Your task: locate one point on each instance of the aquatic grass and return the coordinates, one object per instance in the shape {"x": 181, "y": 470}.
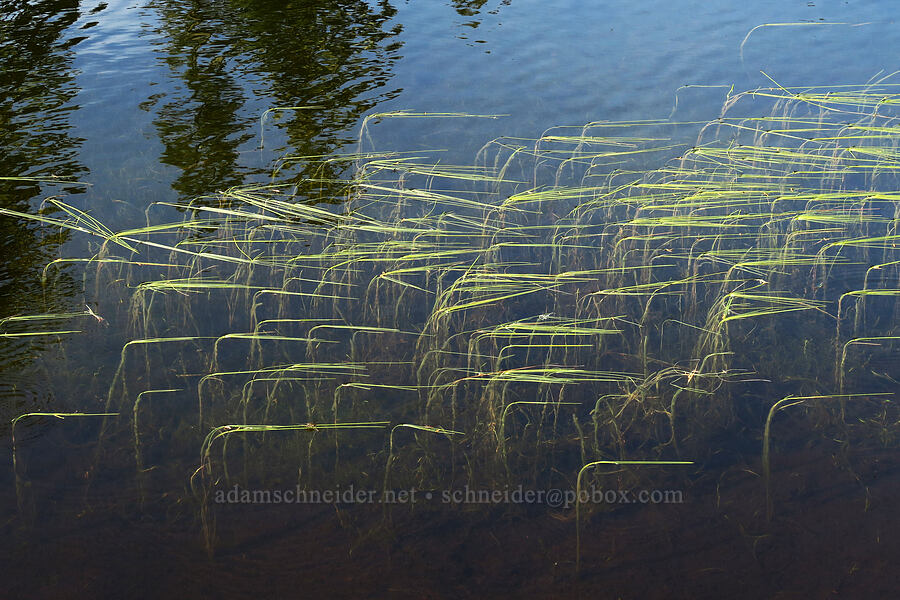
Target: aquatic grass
{"x": 841, "y": 367}
{"x": 391, "y": 457}
{"x": 223, "y": 432}
{"x": 45, "y": 317}
{"x": 74, "y": 224}
{"x": 25, "y": 334}
{"x": 740, "y": 305}
{"x": 861, "y": 295}
{"x": 501, "y": 430}
{"x": 279, "y": 109}
{"x": 119, "y": 375}
{"x": 138, "y": 445}
{"x": 56, "y": 415}
{"x": 256, "y": 338}
{"x": 366, "y": 386}
{"x": 411, "y": 114}
{"x": 597, "y": 463}
{"x": 623, "y": 267}
{"x": 784, "y": 404}
{"x": 314, "y": 372}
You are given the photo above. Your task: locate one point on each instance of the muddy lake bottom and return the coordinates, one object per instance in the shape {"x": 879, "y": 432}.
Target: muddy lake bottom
{"x": 833, "y": 534}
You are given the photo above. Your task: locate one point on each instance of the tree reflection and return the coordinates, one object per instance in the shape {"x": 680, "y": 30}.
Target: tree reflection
{"x": 468, "y": 8}
{"x": 233, "y": 60}
{"x": 472, "y": 8}
{"x": 36, "y": 92}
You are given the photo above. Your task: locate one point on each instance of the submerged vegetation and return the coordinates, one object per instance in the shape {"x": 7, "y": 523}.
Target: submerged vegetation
{"x": 603, "y": 295}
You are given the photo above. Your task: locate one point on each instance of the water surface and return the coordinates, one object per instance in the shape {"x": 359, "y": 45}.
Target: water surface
{"x": 117, "y": 106}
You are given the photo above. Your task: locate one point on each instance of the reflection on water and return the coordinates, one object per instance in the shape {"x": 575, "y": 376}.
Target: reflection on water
{"x": 189, "y": 124}
{"x": 472, "y": 10}
{"x": 37, "y": 101}
{"x": 331, "y": 58}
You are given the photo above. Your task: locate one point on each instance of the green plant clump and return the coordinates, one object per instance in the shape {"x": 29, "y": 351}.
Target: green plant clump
{"x": 612, "y": 293}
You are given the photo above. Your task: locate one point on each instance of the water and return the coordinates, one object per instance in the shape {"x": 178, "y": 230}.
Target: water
{"x": 165, "y": 102}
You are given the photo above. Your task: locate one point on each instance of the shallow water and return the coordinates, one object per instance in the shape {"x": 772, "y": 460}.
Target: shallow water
{"x": 167, "y": 101}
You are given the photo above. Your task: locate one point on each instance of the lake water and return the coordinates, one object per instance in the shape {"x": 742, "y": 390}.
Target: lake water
{"x": 141, "y": 109}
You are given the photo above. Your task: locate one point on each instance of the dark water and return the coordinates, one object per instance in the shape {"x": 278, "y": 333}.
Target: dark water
{"x": 166, "y": 101}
